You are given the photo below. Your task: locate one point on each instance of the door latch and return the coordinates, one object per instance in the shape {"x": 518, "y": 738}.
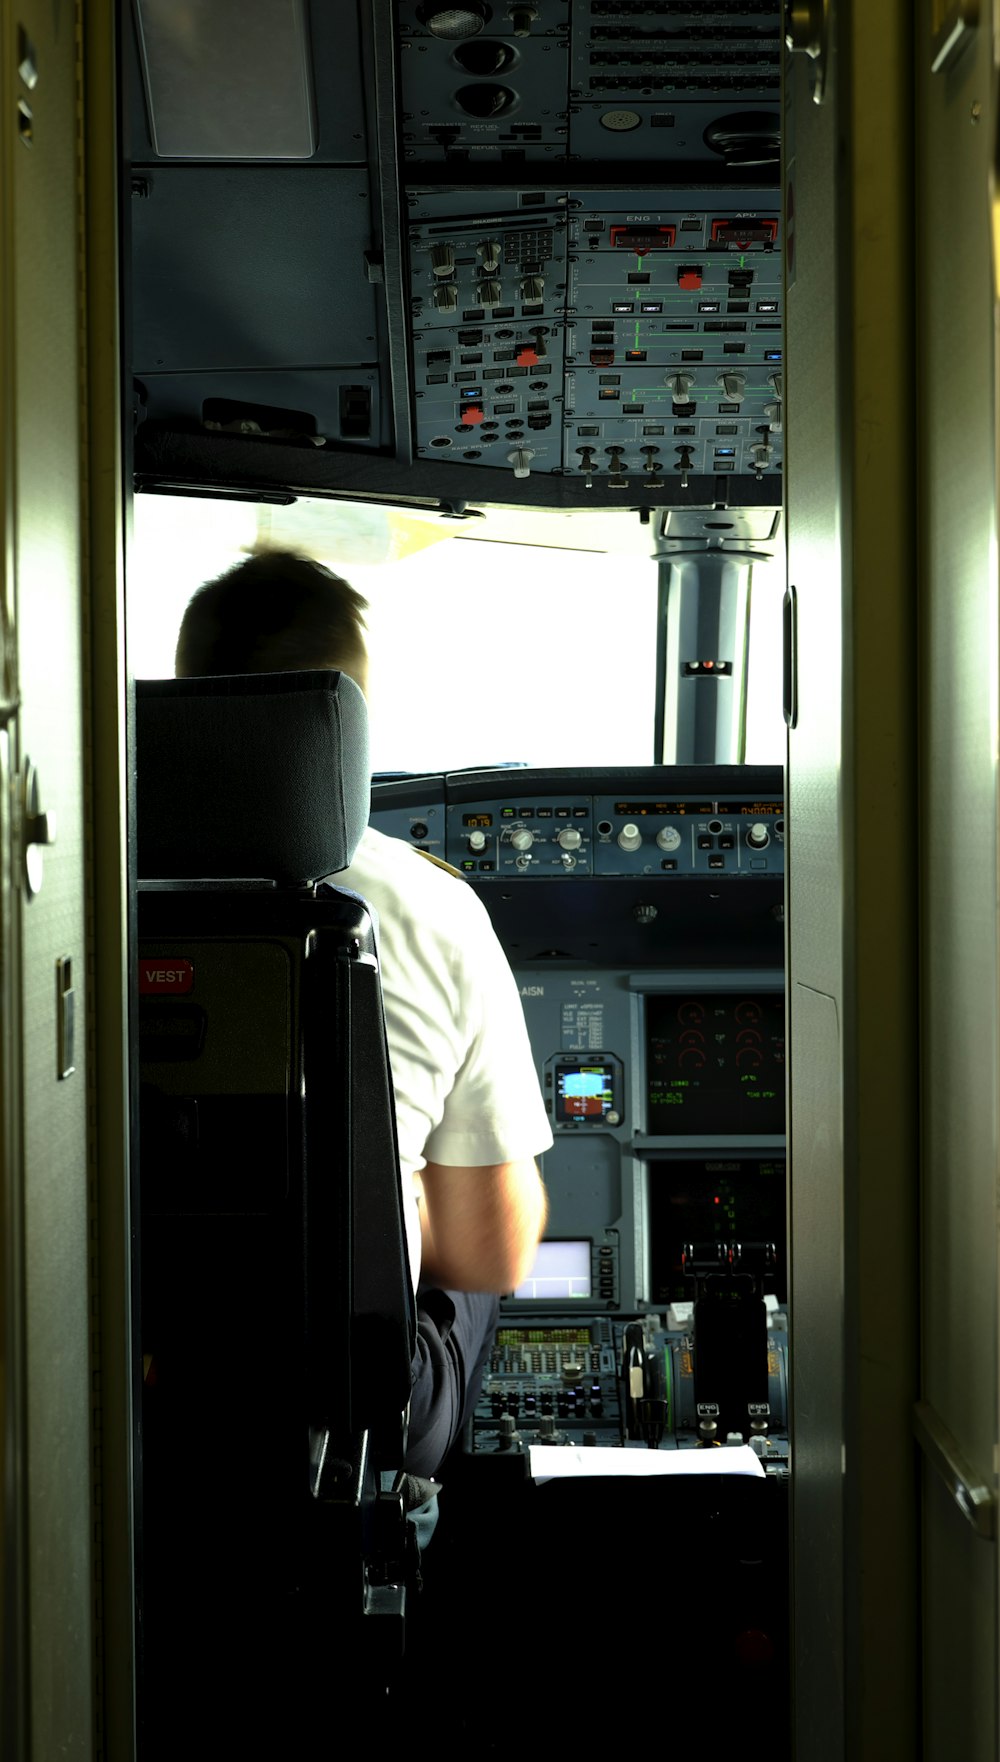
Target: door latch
{"x": 38, "y": 830}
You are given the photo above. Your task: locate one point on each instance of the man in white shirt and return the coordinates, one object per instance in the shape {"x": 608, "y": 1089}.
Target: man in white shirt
{"x": 469, "y": 1114}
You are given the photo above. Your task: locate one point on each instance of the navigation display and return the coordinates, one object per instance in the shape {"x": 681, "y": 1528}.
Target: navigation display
{"x": 715, "y": 1064}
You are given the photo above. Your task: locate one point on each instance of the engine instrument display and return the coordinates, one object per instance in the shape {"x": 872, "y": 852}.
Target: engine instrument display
{"x": 715, "y": 1064}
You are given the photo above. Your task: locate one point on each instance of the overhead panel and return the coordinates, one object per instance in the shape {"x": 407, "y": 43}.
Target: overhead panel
{"x": 694, "y": 83}
{"x": 540, "y": 240}
{"x": 625, "y": 335}
{"x": 484, "y": 85}
{"x": 611, "y": 80}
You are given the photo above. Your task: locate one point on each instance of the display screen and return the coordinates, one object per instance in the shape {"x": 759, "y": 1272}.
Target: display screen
{"x": 561, "y": 1270}
{"x": 583, "y": 1092}
{"x": 477, "y": 820}
{"x": 715, "y": 1064}
{"x": 712, "y": 1200}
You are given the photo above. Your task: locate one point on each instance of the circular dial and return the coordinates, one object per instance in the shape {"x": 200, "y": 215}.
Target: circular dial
{"x": 668, "y": 838}
{"x": 569, "y": 838}
{"x": 477, "y": 841}
{"x": 630, "y": 837}
{"x": 758, "y": 835}
{"x": 521, "y": 838}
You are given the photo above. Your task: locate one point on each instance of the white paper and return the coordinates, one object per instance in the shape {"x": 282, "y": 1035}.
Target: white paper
{"x": 568, "y": 1462}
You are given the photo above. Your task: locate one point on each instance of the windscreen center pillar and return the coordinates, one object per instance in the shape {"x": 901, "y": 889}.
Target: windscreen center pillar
{"x": 704, "y": 621}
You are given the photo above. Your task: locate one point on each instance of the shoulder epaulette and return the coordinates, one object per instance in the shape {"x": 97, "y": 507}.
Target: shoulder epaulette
{"x": 439, "y": 863}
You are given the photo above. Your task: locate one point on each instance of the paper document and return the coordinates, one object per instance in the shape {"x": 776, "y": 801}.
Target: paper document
{"x": 566, "y": 1462}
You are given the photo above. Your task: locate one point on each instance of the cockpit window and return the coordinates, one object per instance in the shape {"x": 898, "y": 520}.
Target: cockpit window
{"x": 497, "y": 635}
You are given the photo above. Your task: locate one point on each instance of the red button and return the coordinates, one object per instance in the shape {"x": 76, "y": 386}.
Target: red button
{"x": 472, "y": 415}
{"x": 754, "y": 1647}
{"x": 689, "y": 280}
{"x": 526, "y": 356}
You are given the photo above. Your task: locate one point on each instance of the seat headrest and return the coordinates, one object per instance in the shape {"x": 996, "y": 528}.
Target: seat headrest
{"x": 251, "y": 775}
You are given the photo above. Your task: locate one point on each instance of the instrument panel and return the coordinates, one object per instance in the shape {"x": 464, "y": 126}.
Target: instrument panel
{"x": 645, "y": 936}
{"x": 577, "y": 833}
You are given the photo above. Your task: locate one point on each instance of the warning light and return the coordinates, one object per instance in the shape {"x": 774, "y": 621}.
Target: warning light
{"x": 708, "y": 665}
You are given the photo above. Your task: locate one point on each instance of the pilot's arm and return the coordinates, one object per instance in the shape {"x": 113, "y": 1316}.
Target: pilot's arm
{"x": 480, "y": 1226}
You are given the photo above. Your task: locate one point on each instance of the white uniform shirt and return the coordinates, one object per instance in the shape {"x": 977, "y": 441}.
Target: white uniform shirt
{"x": 465, "y": 1083}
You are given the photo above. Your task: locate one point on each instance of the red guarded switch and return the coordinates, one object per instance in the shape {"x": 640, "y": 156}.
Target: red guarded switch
{"x": 527, "y": 355}
{"x": 689, "y": 279}
{"x": 472, "y": 415}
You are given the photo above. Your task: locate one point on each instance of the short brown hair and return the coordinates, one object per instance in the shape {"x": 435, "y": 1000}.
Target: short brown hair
{"x": 278, "y": 612}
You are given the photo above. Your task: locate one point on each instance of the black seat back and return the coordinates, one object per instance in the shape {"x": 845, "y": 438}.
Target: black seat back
{"x": 276, "y": 1309}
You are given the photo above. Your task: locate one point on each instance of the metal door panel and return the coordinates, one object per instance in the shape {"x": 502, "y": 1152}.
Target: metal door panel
{"x": 960, "y": 948}
{"x": 48, "y": 952}
{"x": 851, "y": 890}
{"x": 53, "y": 1111}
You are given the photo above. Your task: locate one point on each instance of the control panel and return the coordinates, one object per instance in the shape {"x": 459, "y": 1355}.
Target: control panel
{"x": 622, "y": 80}
{"x": 540, "y": 238}
{"x": 580, "y": 833}
{"x": 560, "y": 1383}
{"x": 641, "y": 914}
{"x": 613, "y": 337}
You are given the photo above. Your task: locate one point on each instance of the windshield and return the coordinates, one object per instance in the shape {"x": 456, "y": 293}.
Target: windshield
{"x": 504, "y": 636}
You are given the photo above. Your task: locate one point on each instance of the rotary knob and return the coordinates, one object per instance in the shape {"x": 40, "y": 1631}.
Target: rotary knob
{"x": 445, "y": 297}
{"x": 477, "y": 841}
{"x": 522, "y": 839}
{"x": 679, "y": 386}
{"x": 668, "y": 838}
{"x": 532, "y": 290}
{"x": 630, "y": 837}
{"x": 489, "y": 293}
{"x": 758, "y": 836}
{"x": 488, "y": 252}
{"x": 443, "y": 261}
{"x": 569, "y": 838}
{"x": 733, "y": 386}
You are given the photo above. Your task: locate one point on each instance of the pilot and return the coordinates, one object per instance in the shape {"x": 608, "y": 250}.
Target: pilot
{"x": 469, "y": 1114}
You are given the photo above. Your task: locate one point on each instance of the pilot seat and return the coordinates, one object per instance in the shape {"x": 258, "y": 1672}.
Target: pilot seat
{"x": 273, "y": 1295}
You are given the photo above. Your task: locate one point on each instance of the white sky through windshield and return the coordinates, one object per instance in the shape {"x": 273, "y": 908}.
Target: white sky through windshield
{"x": 484, "y": 651}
